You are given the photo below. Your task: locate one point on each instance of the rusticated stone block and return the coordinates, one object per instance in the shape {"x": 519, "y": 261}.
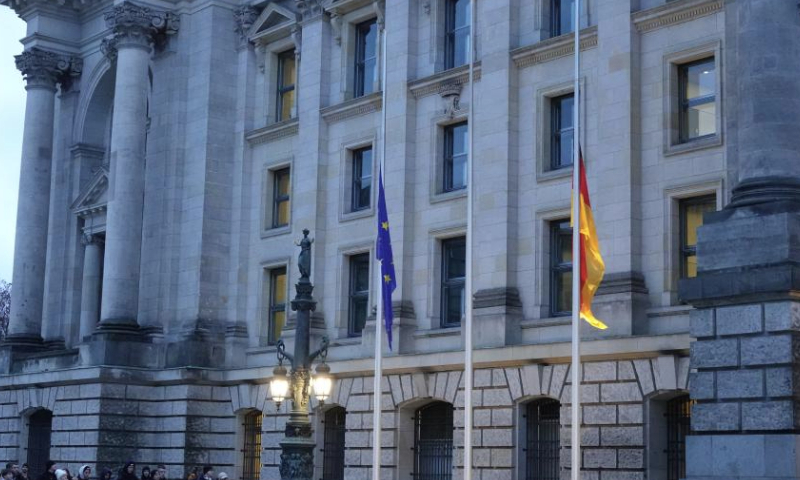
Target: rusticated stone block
{"x": 715, "y": 353}
{"x": 600, "y": 415}
{"x": 739, "y": 320}
{"x": 620, "y": 392}
{"x": 701, "y": 323}
{"x": 599, "y": 371}
{"x": 740, "y": 384}
{"x": 781, "y": 316}
{"x": 711, "y": 417}
{"x": 779, "y": 382}
{"x": 630, "y": 414}
{"x": 621, "y": 436}
{"x": 600, "y": 458}
{"x": 767, "y": 415}
{"x": 771, "y": 350}
{"x": 701, "y": 385}
{"x": 630, "y": 458}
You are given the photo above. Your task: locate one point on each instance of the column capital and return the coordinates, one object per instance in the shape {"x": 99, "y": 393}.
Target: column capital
{"x": 138, "y": 26}
{"x": 89, "y": 239}
{"x": 310, "y": 9}
{"x": 44, "y": 69}
{"x": 244, "y": 17}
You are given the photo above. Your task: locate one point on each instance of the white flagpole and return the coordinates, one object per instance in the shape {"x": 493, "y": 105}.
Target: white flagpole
{"x": 377, "y": 386}
{"x": 468, "y": 266}
{"x": 576, "y": 258}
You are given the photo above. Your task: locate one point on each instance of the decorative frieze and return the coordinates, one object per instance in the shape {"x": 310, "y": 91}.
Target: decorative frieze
{"x": 553, "y": 48}
{"x": 435, "y": 83}
{"x": 42, "y": 68}
{"x": 140, "y": 26}
{"x": 353, "y": 108}
{"x": 272, "y": 133}
{"x": 674, "y": 13}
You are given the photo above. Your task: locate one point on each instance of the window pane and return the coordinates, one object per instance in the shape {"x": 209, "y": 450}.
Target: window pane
{"x": 369, "y": 76}
{"x": 283, "y": 182}
{"x": 564, "y": 297}
{"x": 279, "y": 287}
{"x": 456, "y": 260}
{"x": 461, "y": 13}
{"x": 288, "y": 70}
{"x": 370, "y": 34}
{"x": 360, "y": 274}
{"x": 567, "y": 12}
{"x": 701, "y": 79}
{"x": 459, "y": 172}
{"x": 693, "y": 215}
{"x": 287, "y": 104}
{"x": 690, "y": 267}
{"x": 461, "y": 48}
{"x": 460, "y": 139}
{"x": 565, "y": 148}
{"x": 566, "y": 105}
{"x": 455, "y": 304}
{"x": 702, "y": 120}
{"x": 358, "y": 315}
{"x": 278, "y": 321}
{"x": 565, "y": 247}
{"x": 283, "y": 213}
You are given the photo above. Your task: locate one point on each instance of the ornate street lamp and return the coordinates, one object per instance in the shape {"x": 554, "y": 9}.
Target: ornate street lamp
{"x": 297, "y": 459}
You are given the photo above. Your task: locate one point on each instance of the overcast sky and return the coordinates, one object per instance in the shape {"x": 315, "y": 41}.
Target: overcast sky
{"x": 12, "y": 115}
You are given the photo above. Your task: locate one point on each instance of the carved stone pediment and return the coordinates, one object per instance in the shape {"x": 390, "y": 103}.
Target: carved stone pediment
{"x": 94, "y": 197}
{"x": 273, "y": 23}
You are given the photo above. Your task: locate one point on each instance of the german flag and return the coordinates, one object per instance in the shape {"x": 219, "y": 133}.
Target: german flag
{"x": 592, "y": 266}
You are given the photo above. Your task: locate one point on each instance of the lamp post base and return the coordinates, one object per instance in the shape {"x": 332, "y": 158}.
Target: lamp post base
{"x": 297, "y": 459}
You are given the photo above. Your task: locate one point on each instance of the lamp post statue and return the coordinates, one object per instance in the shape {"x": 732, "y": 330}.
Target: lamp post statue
{"x": 297, "y": 457}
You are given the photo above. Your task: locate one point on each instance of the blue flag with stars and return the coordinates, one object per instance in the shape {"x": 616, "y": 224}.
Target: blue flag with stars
{"x": 384, "y": 254}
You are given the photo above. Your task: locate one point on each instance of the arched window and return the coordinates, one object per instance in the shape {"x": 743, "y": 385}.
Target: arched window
{"x": 678, "y": 415}
{"x": 40, "y": 425}
{"x": 542, "y": 439}
{"x": 433, "y": 442}
{"x": 333, "y": 448}
{"x": 251, "y": 448}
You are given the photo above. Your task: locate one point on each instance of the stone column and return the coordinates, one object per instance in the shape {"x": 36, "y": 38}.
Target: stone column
{"x": 135, "y": 31}
{"x": 42, "y": 70}
{"x": 747, "y": 322}
{"x": 91, "y": 285}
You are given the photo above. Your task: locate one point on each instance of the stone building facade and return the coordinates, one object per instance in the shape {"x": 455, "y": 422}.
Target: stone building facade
{"x": 174, "y": 151}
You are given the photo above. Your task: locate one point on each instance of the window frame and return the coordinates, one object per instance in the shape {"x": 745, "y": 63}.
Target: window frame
{"x": 450, "y": 34}
{"x": 556, "y": 28}
{"x": 252, "y": 435}
{"x": 278, "y": 198}
{"x": 685, "y": 251}
{"x": 355, "y": 296}
{"x": 557, "y": 131}
{"x": 422, "y": 429}
{"x": 281, "y": 90}
{"x": 685, "y": 103}
{"x": 360, "y": 59}
{"x": 557, "y": 267}
{"x": 532, "y": 436}
{"x": 447, "y": 283}
{"x": 449, "y": 157}
{"x": 357, "y": 178}
{"x": 273, "y": 307}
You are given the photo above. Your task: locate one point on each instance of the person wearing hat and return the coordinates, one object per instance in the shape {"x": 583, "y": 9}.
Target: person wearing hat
{"x": 85, "y": 472}
{"x": 128, "y": 472}
{"x": 222, "y": 476}
{"x": 61, "y": 474}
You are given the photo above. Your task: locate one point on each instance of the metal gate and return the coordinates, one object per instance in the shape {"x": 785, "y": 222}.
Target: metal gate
{"x": 542, "y": 439}
{"x": 40, "y": 425}
{"x": 433, "y": 442}
{"x": 251, "y": 451}
{"x": 333, "y": 447}
{"x": 679, "y": 411}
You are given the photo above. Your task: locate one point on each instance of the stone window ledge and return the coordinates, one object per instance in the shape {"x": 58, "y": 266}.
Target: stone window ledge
{"x": 674, "y": 13}
{"x": 353, "y": 108}
{"x": 357, "y": 215}
{"x": 438, "y": 332}
{"x": 274, "y": 232}
{"x": 271, "y": 133}
{"x": 551, "y": 175}
{"x": 447, "y": 196}
{"x": 545, "y": 322}
{"x": 710, "y": 141}
{"x": 553, "y": 48}
{"x": 346, "y": 341}
{"x": 433, "y": 84}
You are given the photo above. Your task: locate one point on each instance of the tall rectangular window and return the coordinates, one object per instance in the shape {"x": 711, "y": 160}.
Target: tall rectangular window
{"x": 561, "y": 131}
{"x": 281, "y": 202}
{"x": 251, "y": 450}
{"x": 366, "y": 57}
{"x": 562, "y": 13}
{"x": 455, "y": 157}
{"x": 359, "y": 294}
{"x": 335, "y": 423}
{"x": 691, "y": 218}
{"x": 453, "y": 280}
{"x": 362, "y": 179}
{"x": 457, "y": 27}
{"x": 560, "y": 268}
{"x": 698, "y": 92}
{"x": 287, "y": 75}
{"x": 277, "y": 303}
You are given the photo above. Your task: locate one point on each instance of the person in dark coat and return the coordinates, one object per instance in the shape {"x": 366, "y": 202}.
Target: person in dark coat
{"x": 128, "y": 471}
{"x": 23, "y": 474}
{"x": 146, "y": 473}
{"x": 49, "y": 472}
{"x": 107, "y": 474}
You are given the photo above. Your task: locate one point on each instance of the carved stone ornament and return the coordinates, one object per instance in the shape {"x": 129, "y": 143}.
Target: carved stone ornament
{"x": 89, "y": 239}
{"x": 297, "y": 465}
{"x": 244, "y": 17}
{"x": 42, "y": 68}
{"x": 379, "y": 6}
{"x": 108, "y": 47}
{"x": 336, "y": 24}
{"x": 297, "y": 39}
{"x": 451, "y": 94}
{"x": 140, "y": 26}
{"x": 310, "y": 8}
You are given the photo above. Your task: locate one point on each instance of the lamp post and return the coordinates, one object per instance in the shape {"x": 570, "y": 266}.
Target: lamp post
{"x": 297, "y": 457}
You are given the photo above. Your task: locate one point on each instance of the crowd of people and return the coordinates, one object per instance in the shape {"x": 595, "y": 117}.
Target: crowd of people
{"x": 54, "y": 471}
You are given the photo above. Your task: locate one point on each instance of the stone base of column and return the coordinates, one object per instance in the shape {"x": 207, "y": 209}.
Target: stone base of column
{"x": 55, "y": 344}
{"x": 403, "y": 327}
{"x": 740, "y": 456}
{"x": 120, "y": 343}
{"x": 497, "y": 313}
{"x": 24, "y": 342}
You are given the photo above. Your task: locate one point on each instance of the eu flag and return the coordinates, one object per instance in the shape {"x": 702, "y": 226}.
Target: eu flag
{"x": 384, "y": 253}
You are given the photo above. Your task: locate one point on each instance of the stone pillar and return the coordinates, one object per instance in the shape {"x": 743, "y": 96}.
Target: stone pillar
{"x": 91, "y": 285}
{"x": 747, "y": 321}
{"x": 42, "y": 71}
{"x": 135, "y": 30}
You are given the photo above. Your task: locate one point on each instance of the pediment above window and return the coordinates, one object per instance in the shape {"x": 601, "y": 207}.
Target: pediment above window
{"x": 275, "y": 22}
{"x": 94, "y": 197}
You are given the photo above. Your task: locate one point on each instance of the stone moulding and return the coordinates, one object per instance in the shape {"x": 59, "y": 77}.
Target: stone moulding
{"x": 273, "y": 132}
{"x": 553, "y": 48}
{"x": 353, "y": 108}
{"x": 433, "y": 84}
{"x": 674, "y": 13}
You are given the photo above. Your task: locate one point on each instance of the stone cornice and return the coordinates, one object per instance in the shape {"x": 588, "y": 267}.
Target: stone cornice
{"x": 22, "y": 7}
{"x": 135, "y": 25}
{"x": 553, "y": 48}
{"x": 434, "y": 84}
{"x": 674, "y": 13}
{"x": 273, "y": 132}
{"x": 44, "y": 69}
{"x": 353, "y": 108}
